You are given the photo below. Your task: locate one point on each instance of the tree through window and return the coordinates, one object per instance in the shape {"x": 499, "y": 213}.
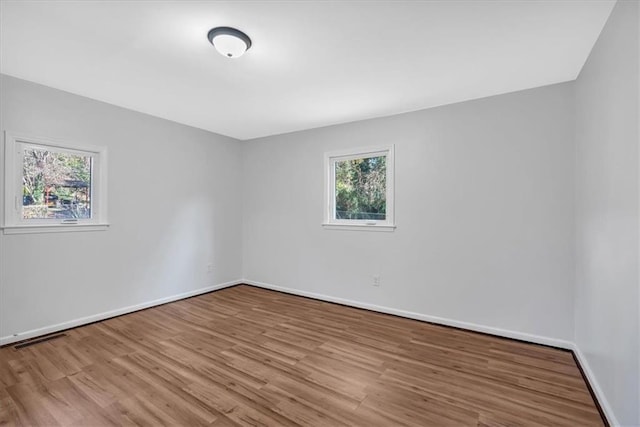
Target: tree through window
{"x": 53, "y": 186}
{"x": 360, "y": 187}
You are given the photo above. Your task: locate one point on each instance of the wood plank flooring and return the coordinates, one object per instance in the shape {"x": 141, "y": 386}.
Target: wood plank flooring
{"x": 248, "y": 356}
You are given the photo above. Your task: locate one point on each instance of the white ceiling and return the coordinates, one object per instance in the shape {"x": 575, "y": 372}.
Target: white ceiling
{"x": 312, "y": 63}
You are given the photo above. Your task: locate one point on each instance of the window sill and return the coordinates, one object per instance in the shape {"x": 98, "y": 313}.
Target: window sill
{"x": 46, "y": 228}
{"x": 358, "y": 227}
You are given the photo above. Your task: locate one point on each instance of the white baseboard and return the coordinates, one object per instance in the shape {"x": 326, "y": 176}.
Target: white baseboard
{"x": 595, "y": 386}
{"x": 537, "y": 339}
{"x": 107, "y": 314}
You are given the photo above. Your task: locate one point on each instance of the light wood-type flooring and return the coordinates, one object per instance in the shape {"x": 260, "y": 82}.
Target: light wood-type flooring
{"x": 248, "y": 356}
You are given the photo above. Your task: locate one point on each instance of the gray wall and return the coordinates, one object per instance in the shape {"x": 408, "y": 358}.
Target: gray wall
{"x": 606, "y": 323}
{"x": 173, "y": 207}
{"x": 484, "y": 209}
{"x": 517, "y": 213}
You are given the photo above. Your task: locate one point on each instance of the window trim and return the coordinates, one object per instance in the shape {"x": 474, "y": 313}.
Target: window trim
{"x": 14, "y": 223}
{"x": 330, "y": 160}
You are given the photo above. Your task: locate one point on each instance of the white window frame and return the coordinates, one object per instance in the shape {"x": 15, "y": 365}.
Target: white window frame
{"x": 13, "y": 165}
{"x": 331, "y": 158}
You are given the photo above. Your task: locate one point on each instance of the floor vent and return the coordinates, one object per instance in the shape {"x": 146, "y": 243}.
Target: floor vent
{"x": 38, "y": 341}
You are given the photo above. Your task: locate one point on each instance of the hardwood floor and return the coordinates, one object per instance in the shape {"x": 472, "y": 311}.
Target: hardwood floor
{"x": 247, "y": 356}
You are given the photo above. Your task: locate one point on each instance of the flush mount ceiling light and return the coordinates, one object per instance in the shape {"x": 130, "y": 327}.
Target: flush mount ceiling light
{"x": 229, "y": 42}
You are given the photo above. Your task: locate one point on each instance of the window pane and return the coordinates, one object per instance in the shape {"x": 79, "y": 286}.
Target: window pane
{"x": 361, "y": 188}
{"x": 55, "y": 185}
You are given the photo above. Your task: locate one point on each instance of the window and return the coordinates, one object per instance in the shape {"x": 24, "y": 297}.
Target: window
{"x": 359, "y": 189}
{"x": 53, "y": 186}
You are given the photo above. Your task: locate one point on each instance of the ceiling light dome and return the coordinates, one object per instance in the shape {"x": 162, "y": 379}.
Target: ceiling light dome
{"x": 229, "y": 42}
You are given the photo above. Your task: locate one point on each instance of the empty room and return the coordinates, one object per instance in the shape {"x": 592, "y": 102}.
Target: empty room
{"x": 320, "y": 213}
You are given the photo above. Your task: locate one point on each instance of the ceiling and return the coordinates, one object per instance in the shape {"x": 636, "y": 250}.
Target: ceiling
{"x": 312, "y": 63}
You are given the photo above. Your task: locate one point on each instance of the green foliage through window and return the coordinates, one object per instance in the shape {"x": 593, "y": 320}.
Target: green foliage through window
{"x": 361, "y": 188}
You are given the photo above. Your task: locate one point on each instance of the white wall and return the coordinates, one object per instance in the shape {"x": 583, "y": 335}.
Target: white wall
{"x": 502, "y": 204}
{"x": 484, "y": 209}
{"x": 607, "y": 332}
{"x": 173, "y": 206}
